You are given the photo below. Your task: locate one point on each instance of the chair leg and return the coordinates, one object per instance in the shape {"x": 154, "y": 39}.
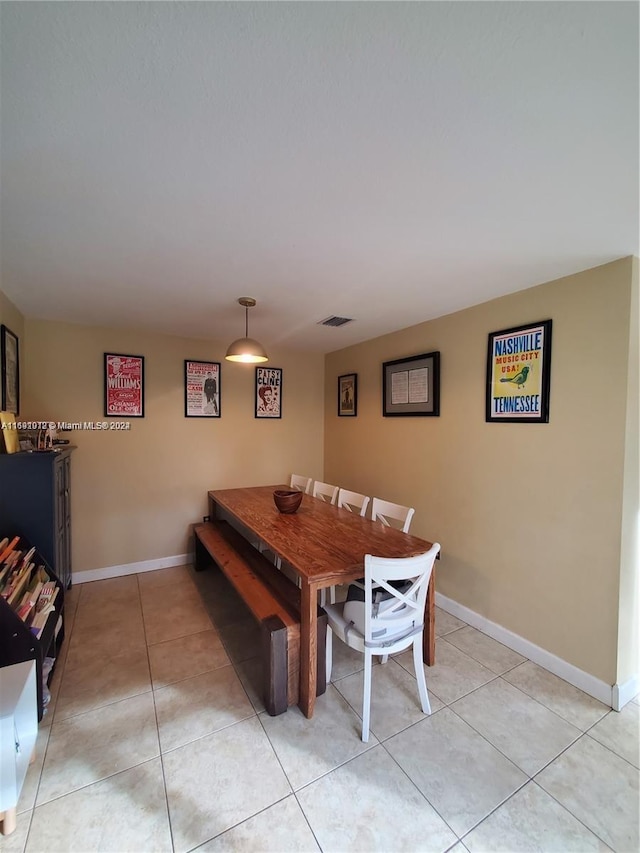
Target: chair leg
{"x": 366, "y": 696}
{"x": 384, "y": 658}
{"x": 332, "y": 596}
{"x": 329, "y": 653}
{"x": 261, "y": 547}
{"x": 419, "y": 667}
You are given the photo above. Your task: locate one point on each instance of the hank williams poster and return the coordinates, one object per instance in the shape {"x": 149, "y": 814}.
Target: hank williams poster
{"x": 123, "y": 385}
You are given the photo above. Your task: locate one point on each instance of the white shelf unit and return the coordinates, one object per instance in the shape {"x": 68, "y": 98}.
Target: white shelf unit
{"x": 18, "y": 733}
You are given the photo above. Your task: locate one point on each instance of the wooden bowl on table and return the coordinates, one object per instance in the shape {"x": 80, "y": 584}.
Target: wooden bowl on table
{"x": 287, "y": 500}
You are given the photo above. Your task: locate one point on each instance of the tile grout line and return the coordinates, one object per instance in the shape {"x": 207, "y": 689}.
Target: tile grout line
{"x": 484, "y": 737}
{"x": 155, "y": 713}
{"x": 422, "y": 794}
{"x": 530, "y": 778}
{"x": 67, "y": 639}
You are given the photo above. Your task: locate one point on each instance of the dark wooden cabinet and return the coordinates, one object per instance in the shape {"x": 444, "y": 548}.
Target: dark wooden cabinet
{"x": 35, "y": 491}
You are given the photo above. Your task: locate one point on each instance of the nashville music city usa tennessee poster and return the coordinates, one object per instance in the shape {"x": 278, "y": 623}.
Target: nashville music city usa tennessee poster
{"x": 518, "y": 367}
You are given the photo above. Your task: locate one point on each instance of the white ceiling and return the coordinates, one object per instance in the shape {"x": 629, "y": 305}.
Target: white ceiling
{"x": 390, "y": 162}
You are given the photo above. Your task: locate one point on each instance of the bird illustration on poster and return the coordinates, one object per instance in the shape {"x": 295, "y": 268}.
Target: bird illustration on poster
{"x": 519, "y": 379}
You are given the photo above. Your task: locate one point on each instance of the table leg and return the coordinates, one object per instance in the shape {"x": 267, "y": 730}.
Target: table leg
{"x": 429, "y": 633}
{"x": 308, "y": 648}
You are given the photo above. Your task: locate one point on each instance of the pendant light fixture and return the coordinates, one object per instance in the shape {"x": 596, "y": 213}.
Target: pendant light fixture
{"x": 246, "y": 349}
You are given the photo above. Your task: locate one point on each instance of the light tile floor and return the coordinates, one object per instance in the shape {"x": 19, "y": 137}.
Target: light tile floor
{"x": 156, "y": 739}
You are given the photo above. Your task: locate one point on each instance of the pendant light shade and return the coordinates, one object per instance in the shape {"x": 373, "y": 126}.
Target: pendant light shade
{"x": 246, "y": 349}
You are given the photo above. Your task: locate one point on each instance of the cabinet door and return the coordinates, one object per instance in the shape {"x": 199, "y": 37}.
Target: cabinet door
{"x": 62, "y": 521}
{"x": 67, "y": 520}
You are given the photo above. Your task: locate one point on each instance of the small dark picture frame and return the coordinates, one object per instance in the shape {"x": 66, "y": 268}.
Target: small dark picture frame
{"x": 518, "y": 374}
{"x": 411, "y": 386}
{"x": 268, "y": 397}
{"x": 202, "y": 389}
{"x": 10, "y": 357}
{"x": 348, "y": 395}
{"x": 123, "y": 385}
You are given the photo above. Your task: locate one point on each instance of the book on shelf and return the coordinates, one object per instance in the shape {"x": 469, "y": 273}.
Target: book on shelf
{"x": 10, "y": 439}
{"x": 9, "y": 548}
{"x": 27, "y": 557}
{"x": 14, "y": 558}
{"x": 45, "y": 605}
{"x": 15, "y": 574}
{"x": 29, "y": 599}
{"x": 10, "y": 567}
{"x": 38, "y": 578}
{"x": 22, "y": 578}
{"x": 4, "y": 575}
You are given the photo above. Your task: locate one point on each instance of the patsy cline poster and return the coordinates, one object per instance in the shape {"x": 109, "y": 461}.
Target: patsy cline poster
{"x": 268, "y": 392}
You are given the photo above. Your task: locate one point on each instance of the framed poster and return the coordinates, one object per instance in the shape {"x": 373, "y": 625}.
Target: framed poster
{"x": 348, "y": 395}
{"x": 123, "y": 385}
{"x": 10, "y": 358}
{"x": 518, "y": 371}
{"x": 201, "y": 389}
{"x": 411, "y": 386}
{"x": 268, "y": 392}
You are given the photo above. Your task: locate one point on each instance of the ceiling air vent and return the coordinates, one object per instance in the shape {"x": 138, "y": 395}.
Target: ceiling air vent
{"x": 335, "y": 321}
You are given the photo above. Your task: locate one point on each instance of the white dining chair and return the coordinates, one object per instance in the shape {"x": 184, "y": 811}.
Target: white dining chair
{"x": 302, "y": 484}
{"x": 329, "y": 494}
{"x": 385, "y": 615}
{"x": 386, "y": 512}
{"x": 353, "y": 501}
{"x": 325, "y": 492}
{"x": 356, "y": 503}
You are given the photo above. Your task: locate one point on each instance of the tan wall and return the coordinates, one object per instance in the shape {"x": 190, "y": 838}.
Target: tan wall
{"x": 629, "y": 613}
{"x": 529, "y": 516}
{"x": 135, "y": 493}
{"x": 13, "y": 319}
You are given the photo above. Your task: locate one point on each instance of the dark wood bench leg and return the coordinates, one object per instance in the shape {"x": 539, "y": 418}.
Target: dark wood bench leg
{"x": 202, "y": 557}
{"x": 274, "y": 665}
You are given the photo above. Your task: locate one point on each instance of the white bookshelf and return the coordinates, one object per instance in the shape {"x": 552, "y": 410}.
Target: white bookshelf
{"x": 18, "y": 733}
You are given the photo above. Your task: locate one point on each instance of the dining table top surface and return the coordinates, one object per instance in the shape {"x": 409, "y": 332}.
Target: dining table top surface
{"x": 321, "y": 542}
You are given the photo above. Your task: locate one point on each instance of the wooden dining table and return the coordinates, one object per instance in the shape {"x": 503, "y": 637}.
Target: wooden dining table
{"x": 324, "y": 545}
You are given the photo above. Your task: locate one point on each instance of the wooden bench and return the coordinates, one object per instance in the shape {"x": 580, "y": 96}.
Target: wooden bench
{"x": 274, "y": 602}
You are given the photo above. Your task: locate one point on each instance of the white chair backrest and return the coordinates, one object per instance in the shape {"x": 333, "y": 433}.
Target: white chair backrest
{"x": 353, "y": 501}
{"x": 302, "y": 484}
{"x": 384, "y": 510}
{"x": 325, "y": 492}
{"x": 395, "y": 592}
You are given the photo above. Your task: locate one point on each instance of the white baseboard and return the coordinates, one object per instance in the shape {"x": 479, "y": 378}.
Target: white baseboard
{"x": 131, "y": 568}
{"x": 623, "y": 693}
{"x": 582, "y": 680}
